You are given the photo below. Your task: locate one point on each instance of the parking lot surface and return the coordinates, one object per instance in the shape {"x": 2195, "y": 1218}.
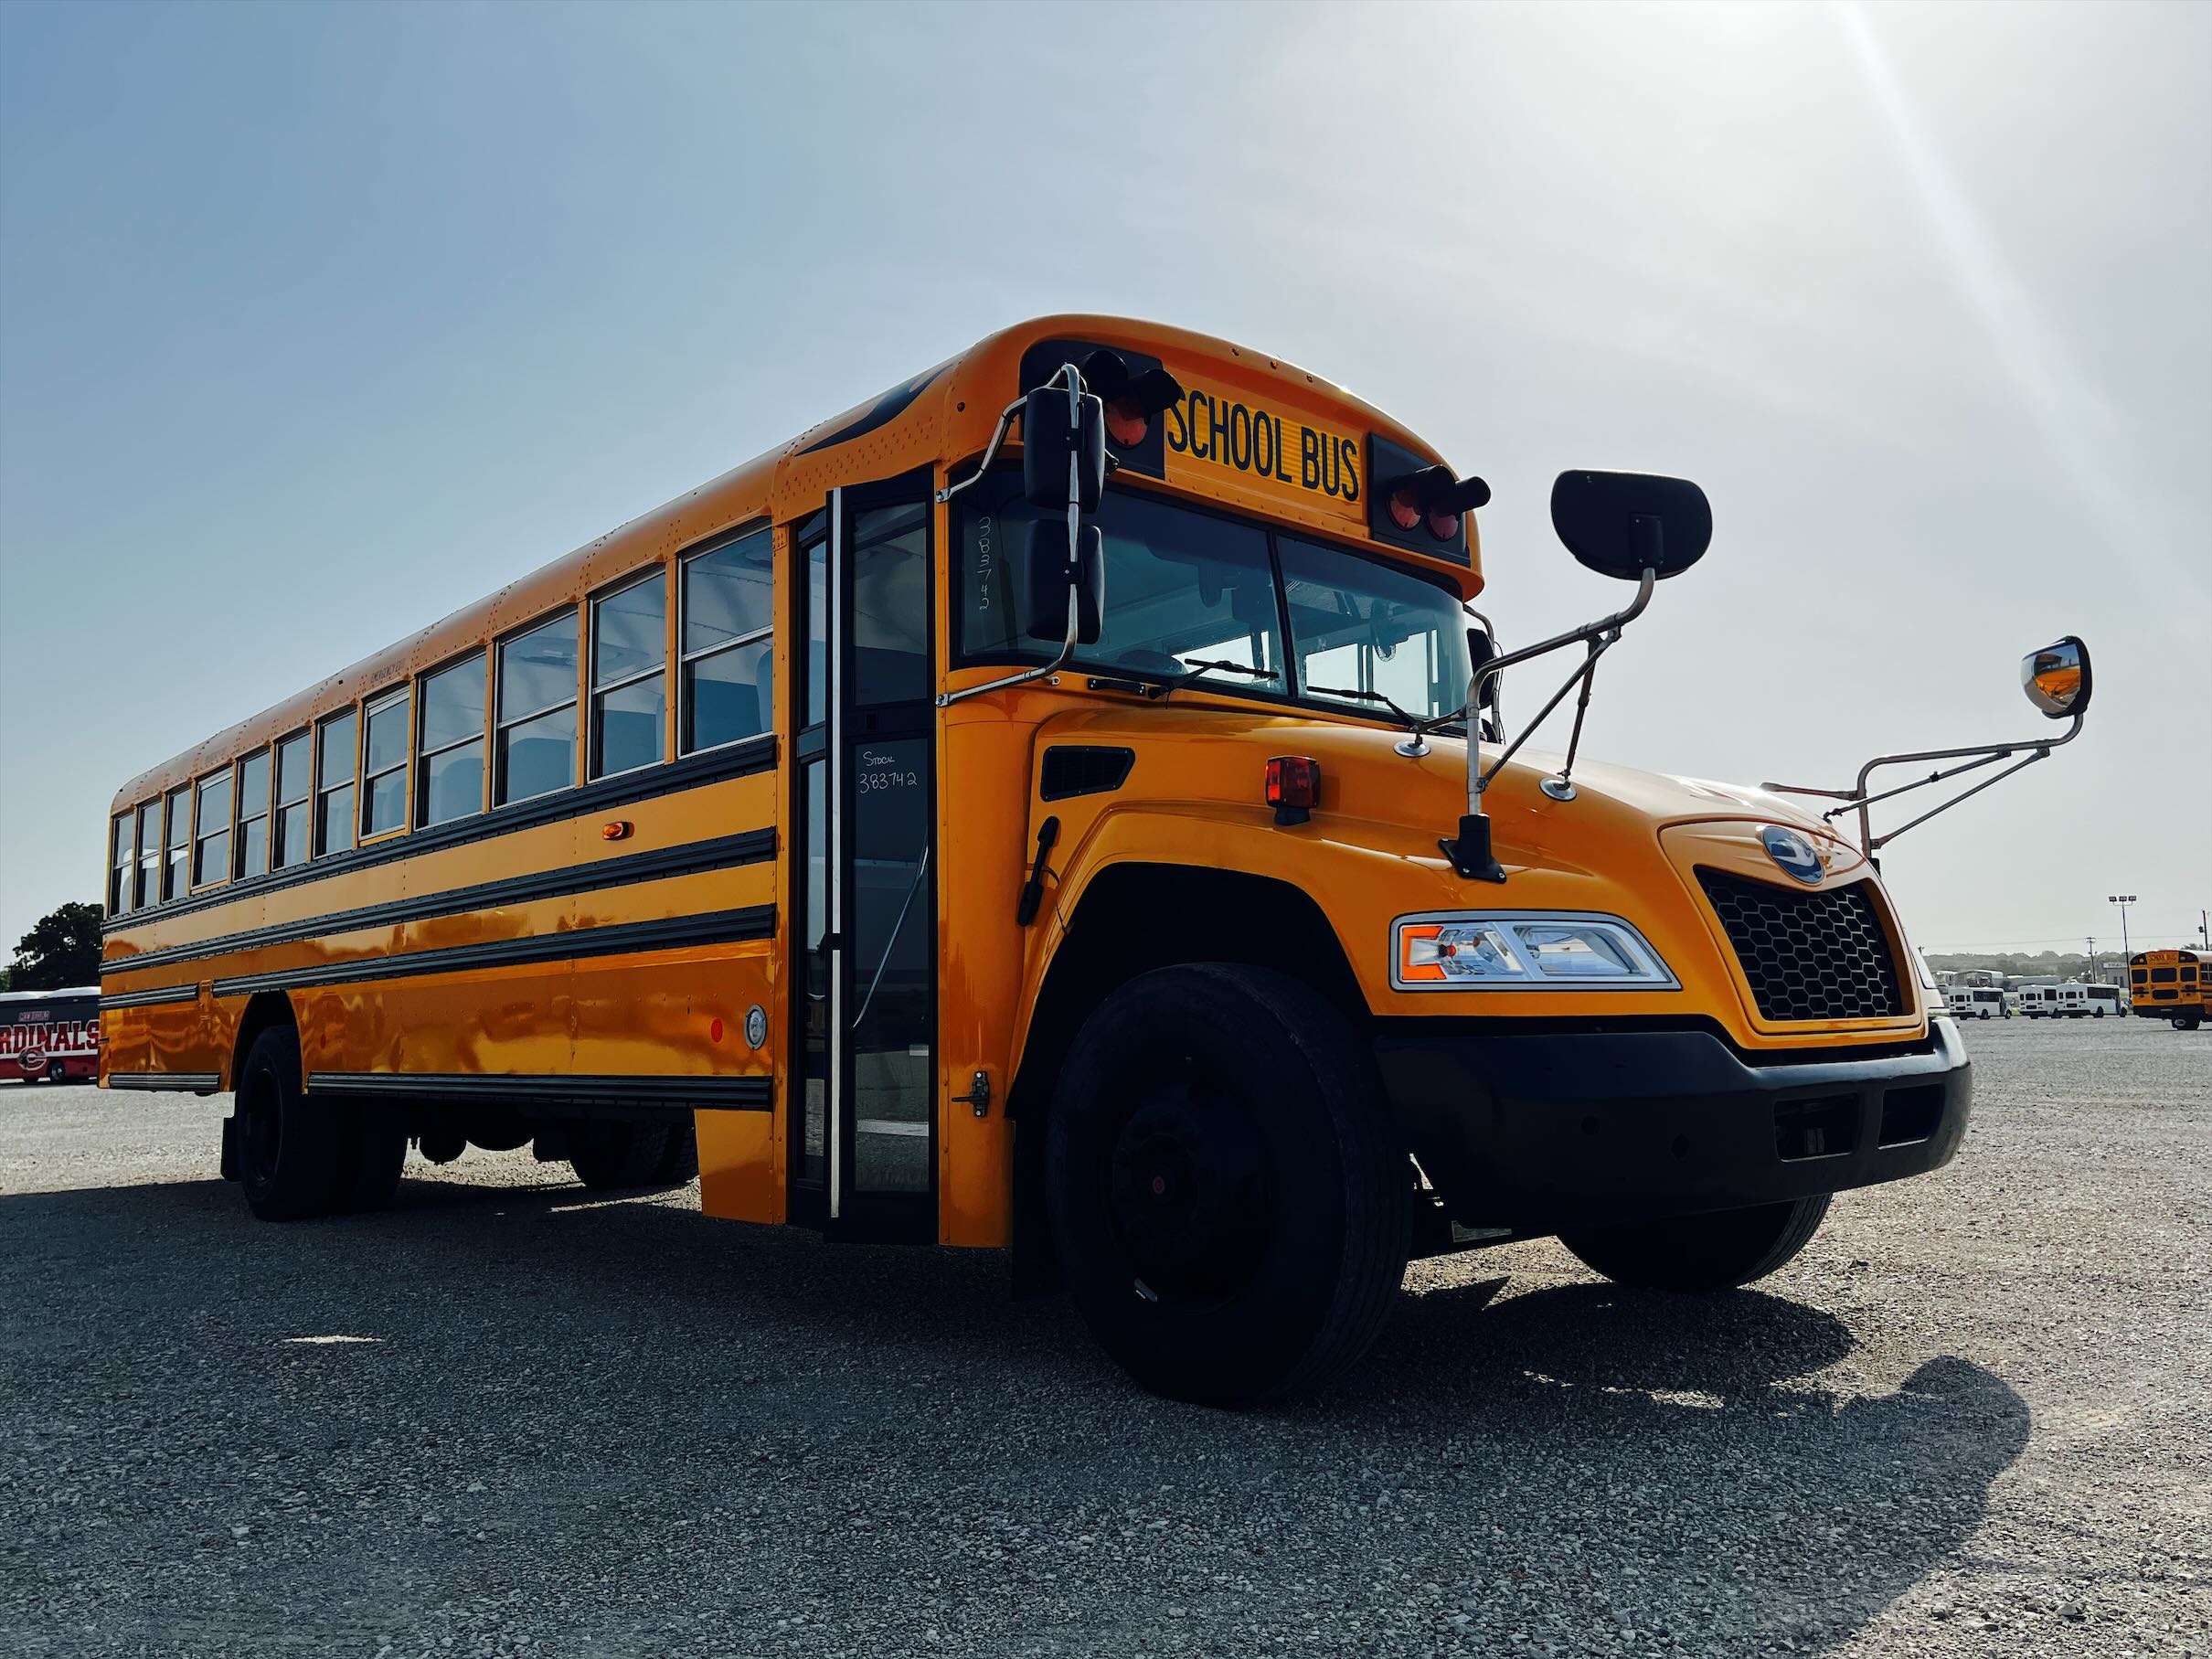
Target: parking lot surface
{"x": 510, "y": 1417}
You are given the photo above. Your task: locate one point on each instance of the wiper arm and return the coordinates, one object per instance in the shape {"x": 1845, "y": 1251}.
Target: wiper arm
{"x": 1413, "y": 721}
{"x": 1207, "y": 665}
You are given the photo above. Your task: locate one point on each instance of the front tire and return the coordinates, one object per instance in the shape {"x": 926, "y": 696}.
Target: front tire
{"x": 1710, "y": 1252}
{"x": 1228, "y": 1199}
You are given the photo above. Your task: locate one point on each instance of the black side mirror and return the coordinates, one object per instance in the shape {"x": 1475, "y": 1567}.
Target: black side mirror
{"x": 1053, "y": 433}
{"x": 1623, "y": 524}
{"x": 1050, "y": 581}
{"x": 1481, "y": 650}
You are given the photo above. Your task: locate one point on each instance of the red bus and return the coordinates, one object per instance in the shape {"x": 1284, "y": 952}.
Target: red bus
{"x": 50, "y": 1037}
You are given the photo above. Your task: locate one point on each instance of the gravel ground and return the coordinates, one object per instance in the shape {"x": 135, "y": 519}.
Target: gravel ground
{"x": 508, "y": 1418}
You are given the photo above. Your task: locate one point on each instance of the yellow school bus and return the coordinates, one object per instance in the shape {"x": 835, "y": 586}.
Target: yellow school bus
{"x": 1035, "y": 810}
{"x": 2171, "y": 985}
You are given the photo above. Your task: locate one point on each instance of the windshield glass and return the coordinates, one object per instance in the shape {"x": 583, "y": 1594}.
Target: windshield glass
{"x": 1358, "y": 626}
{"x": 1182, "y": 584}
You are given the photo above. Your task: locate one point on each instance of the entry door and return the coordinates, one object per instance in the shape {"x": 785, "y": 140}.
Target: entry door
{"x": 863, "y": 1143}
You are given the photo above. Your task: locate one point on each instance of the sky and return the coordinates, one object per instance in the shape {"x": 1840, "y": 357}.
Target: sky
{"x": 317, "y": 323}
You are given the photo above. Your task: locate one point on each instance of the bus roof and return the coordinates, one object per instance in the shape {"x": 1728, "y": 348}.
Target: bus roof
{"x": 943, "y": 413}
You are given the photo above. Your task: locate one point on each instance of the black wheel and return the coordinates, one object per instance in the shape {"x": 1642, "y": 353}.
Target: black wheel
{"x": 680, "y": 1159}
{"x": 370, "y": 1157}
{"x": 289, "y": 1150}
{"x": 1228, "y": 1195}
{"x": 1714, "y": 1252}
{"x": 610, "y": 1156}
{"x": 56, "y": 1072}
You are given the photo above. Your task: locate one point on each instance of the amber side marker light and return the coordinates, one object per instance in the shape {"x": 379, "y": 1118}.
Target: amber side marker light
{"x": 1293, "y": 787}
{"x": 617, "y": 831}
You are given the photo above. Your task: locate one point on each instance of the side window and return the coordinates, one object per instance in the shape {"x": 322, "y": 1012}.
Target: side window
{"x": 335, "y": 784}
{"x": 148, "y": 889}
{"x": 629, "y": 684}
{"x": 119, "y": 864}
{"x": 384, "y": 763}
{"x": 295, "y": 783}
{"x": 252, "y": 814}
{"x": 174, "y": 874}
{"x": 538, "y": 710}
{"x": 890, "y": 605}
{"x": 211, "y": 846}
{"x": 729, "y": 643}
{"x": 452, "y": 771}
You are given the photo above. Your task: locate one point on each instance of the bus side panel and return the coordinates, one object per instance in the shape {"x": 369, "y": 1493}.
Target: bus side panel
{"x": 687, "y": 1013}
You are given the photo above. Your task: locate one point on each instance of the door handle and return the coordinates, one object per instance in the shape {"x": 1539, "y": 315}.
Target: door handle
{"x": 978, "y": 1095}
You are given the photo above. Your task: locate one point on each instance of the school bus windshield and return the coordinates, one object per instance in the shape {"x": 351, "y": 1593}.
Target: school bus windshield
{"x": 1184, "y": 584}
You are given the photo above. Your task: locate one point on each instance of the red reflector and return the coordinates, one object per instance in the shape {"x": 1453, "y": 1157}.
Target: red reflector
{"x": 1126, "y": 422}
{"x": 1293, "y": 781}
{"x": 1405, "y": 510}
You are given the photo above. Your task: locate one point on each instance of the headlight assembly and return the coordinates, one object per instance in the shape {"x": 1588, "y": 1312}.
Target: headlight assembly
{"x": 1522, "y": 951}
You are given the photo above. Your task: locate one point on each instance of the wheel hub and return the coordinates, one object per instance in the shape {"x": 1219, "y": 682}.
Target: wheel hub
{"x": 1189, "y": 1195}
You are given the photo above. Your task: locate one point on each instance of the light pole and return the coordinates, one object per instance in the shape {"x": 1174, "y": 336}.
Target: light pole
{"x": 2092, "y": 945}
{"x": 2122, "y": 901}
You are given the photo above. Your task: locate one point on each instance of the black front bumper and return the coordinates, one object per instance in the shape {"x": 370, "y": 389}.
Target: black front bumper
{"x": 1539, "y": 1131}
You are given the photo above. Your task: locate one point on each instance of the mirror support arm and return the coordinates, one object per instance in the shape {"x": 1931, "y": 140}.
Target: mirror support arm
{"x": 1470, "y": 852}
{"x": 1857, "y": 799}
{"x": 1074, "y": 378}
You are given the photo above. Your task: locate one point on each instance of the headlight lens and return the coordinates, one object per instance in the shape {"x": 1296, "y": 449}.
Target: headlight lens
{"x": 1522, "y": 951}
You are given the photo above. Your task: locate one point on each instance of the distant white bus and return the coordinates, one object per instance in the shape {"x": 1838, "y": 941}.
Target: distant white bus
{"x": 1976, "y": 1001}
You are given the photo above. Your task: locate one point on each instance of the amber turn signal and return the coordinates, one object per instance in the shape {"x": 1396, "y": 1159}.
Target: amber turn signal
{"x": 619, "y": 830}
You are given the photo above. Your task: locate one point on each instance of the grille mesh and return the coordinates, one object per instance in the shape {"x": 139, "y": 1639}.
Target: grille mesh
{"x": 1808, "y": 955}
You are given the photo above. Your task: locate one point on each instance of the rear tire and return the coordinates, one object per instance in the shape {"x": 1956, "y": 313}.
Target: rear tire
{"x": 289, "y": 1150}
{"x": 1711, "y": 1252}
{"x": 680, "y": 1161}
{"x": 610, "y": 1157}
{"x": 370, "y": 1157}
{"x": 1228, "y": 1195}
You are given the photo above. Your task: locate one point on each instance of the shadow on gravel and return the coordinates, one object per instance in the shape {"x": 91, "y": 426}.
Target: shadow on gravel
{"x": 1559, "y": 1464}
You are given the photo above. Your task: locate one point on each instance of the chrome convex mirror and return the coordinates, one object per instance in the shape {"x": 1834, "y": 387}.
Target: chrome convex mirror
{"x": 2056, "y": 677}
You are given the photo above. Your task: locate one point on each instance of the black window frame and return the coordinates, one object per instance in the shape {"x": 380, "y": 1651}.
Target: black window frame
{"x": 240, "y": 817}
{"x": 205, "y": 838}
{"x": 321, "y": 791}
{"x": 1235, "y": 685}
{"x": 418, "y": 813}
{"x": 574, "y": 611}
{"x": 374, "y": 704}
{"x": 176, "y": 855}
{"x": 721, "y": 541}
{"x": 145, "y": 891}
{"x": 123, "y": 854}
{"x": 280, "y": 805}
{"x": 594, "y": 691}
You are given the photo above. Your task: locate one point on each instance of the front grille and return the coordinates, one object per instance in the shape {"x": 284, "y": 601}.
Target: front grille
{"x": 1808, "y": 955}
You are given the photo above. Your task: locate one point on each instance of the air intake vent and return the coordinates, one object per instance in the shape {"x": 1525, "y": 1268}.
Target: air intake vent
{"x": 1808, "y": 955}
{"x": 1074, "y": 769}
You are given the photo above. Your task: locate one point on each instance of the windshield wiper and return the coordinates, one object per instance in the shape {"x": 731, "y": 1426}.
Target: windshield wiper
{"x": 1413, "y": 721}
{"x": 1207, "y": 665}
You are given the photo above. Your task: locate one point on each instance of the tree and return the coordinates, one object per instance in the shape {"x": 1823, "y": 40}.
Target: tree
{"x": 62, "y": 948}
